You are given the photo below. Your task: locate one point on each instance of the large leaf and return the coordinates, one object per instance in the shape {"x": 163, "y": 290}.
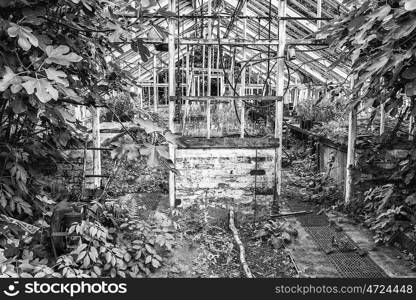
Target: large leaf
{"x": 61, "y": 55}
{"x": 45, "y": 91}
{"x": 57, "y": 76}
{"x": 410, "y": 4}
{"x": 114, "y": 37}
{"x": 9, "y": 78}
{"x": 25, "y": 37}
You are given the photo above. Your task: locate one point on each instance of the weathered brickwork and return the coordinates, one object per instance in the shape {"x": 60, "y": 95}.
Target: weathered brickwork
{"x": 223, "y": 175}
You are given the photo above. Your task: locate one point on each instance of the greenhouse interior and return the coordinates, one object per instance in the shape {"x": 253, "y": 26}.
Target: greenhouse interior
{"x": 207, "y": 139}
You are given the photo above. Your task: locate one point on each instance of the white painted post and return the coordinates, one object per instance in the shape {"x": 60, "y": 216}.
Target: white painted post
{"x": 352, "y": 135}
{"x": 140, "y": 89}
{"x": 155, "y": 84}
{"x": 278, "y": 130}
{"x": 319, "y": 12}
{"x": 188, "y": 91}
{"x": 209, "y": 63}
{"x": 203, "y": 70}
{"x": 382, "y": 118}
{"x": 96, "y": 137}
{"x": 171, "y": 78}
{"x": 243, "y": 75}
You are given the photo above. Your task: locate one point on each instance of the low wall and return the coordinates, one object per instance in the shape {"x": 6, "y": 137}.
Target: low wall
{"x": 224, "y": 170}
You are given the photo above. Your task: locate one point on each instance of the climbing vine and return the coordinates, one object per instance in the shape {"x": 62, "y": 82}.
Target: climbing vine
{"x": 55, "y": 56}
{"x": 378, "y": 40}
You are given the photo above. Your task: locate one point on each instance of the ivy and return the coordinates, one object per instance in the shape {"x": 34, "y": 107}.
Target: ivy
{"x": 377, "y": 38}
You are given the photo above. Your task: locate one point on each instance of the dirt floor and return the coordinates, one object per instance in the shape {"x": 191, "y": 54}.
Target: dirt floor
{"x": 208, "y": 249}
{"x": 205, "y": 246}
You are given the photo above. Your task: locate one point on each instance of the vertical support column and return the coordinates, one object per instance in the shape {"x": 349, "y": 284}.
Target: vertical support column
{"x": 155, "y": 84}
{"x": 203, "y": 71}
{"x": 171, "y": 87}
{"x": 319, "y": 12}
{"x": 296, "y": 94}
{"x": 231, "y": 75}
{"x": 352, "y": 135}
{"x": 382, "y": 119}
{"x": 209, "y": 70}
{"x": 140, "y": 89}
{"x": 243, "y": 75}
{"x": 188, "y": 90}
{"x": 96, "y": 138}
{"x": 278, "y": 130}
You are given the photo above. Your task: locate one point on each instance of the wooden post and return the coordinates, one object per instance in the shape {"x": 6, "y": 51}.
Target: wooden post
{"x": 278, "y": 130}
{"x": 188, "y": 90}
{"x": 382, "y": 119}
{"x": 231, "y": 75}
{"x": 249, "y": 73}
{"x": 319, "y": 12}
{"x": 171, "y": 78}
{"x": 140, "y": 89}
{"x": 209, "y": 66}
{"x": 155, "y": 87}
{"x": 296, "y": 94}
{"x": 352, "y": 135}
{"x": 218, "y": 57}
{"x": 243, "y": 75}
{"x": 96, "y": 138}
{"x": 411, "y": 119}
{"x": 203, "y": 70}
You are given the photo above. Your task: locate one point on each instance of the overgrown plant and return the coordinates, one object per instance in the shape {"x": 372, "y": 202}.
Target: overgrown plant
{"x": 377, "y": 38}
{"x": 128, "y": 248}
{"x": 56, "y": 55}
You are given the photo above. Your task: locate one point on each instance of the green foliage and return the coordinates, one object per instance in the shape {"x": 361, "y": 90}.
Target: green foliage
{"x": 378, "y": 38}
{"x": 55, "y": 55}
{"x": 385, "y": 213}
{"x": 131, "y": 249}
{"x": 52, "y": 56}
{"x": 109, "y": 243}
{"x": 317, "y": 111}
{"x": 121, "y": 106}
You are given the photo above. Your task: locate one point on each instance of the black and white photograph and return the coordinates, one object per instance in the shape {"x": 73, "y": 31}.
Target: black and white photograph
{"x": 271, "y": 142}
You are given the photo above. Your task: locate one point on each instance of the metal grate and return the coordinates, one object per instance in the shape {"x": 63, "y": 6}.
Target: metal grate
{"x": 307, "y": 220}
{"x": 323, "y": 236}
{"x": 352, "y": 265}
{"x": 345, "y": 259}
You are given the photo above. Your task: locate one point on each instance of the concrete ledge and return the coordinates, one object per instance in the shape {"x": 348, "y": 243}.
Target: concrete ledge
{"x": 225, "y": 142}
